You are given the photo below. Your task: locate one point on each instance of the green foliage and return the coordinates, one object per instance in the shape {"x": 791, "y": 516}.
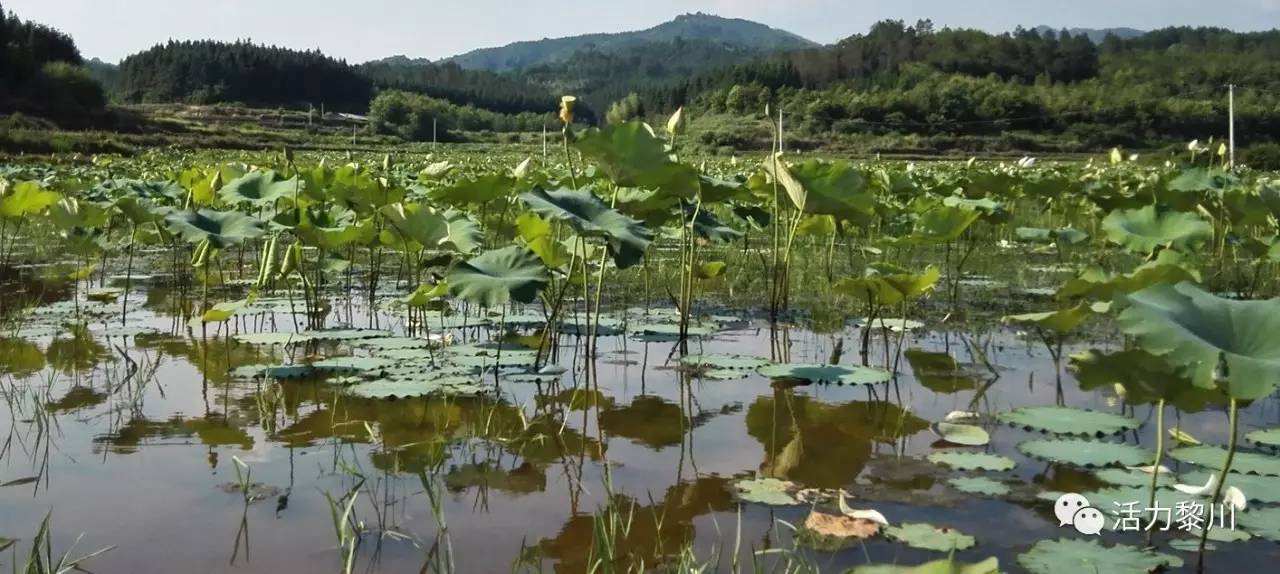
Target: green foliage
{"x": 415, "y": 117}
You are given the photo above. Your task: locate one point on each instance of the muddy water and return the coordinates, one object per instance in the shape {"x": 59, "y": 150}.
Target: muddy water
{"x": 139, "y": 445}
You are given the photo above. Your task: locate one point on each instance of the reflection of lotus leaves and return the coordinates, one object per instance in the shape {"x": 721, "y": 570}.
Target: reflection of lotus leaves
{"x": 648, "y": 420}
{"x": 819, "y": 444}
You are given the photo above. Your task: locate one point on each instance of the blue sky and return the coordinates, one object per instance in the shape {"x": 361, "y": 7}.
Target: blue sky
{"x": 370, "y": 29}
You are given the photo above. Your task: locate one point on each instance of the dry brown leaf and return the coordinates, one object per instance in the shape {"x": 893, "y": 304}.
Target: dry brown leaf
{"x": 841, "y": 526}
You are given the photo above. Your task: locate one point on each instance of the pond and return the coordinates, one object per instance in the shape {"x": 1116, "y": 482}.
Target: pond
{"x": 156, "y": 440}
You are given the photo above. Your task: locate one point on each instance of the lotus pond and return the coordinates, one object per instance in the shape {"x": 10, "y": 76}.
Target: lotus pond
{"x": 604, "y": 359}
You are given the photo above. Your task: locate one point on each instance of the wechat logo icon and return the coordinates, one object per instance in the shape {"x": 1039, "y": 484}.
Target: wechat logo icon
{"x": 1074, "y": 510}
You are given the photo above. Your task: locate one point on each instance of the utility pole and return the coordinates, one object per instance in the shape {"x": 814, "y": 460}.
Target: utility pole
{"x": 544, "y": 144}
{"x": 433, "y": 132}
{"x": 1231, "y": 126}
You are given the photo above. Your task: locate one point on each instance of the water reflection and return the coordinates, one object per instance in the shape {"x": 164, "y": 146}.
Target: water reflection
{"x": 820, "y": 444}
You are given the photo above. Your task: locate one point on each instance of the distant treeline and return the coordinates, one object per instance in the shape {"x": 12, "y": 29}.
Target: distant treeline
{"x": 210, "y": 72}
{"x": 1164, "y": 85}
{"x": 41, "y": 70}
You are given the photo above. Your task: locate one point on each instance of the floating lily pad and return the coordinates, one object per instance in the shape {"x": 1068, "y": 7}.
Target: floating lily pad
{"x": 972, "y": 461}
{"x": 724, "y": 362}
{"x": 968, "y": 435}
{"x": 388, "y": 343}
{"x": 1264, "y": 489}
{"x": 1269, "y": 438}
{"x": 769, "y": 491}
{"x": 834, "y": 532}
{"x": 1086, "y": 452}
{"x": 944, "y": 566}
{"x": 1073, "y": 556}
{"x": 1068, "y": 421}
{"x": 344, "y": 334}
{"x": 273, "y": 338}
{"x": 816, "y": 373}
{"x": 930, "y": 537}
{"x": 1131, "y": 477}
{"x": 1261, "y": 522}
{"x": 273, "y": 371}
{"x": 128, "y": 331}
{"x": 351, "y": 365}
{"x": 892, "y": 324}
{"x": 418, "y": 387}
{"x": 979, "y": 485}
{"x": 1189, "y": 545}
{"x": 662, "y": 332}
{"x": 1213, "y": 457}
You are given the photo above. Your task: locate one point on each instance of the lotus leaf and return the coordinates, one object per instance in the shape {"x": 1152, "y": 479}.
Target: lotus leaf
{"x": 222, "y": 229}
{"x": 972, "y": 461}
{"x": 1086, "y": 452}
{"x": 930, "y": 537}
{"x": 1243, "y": 462}
{"x": 1072, "y": 556}
{"x": 495, "y": 277}
{"x": 1144, "y": 229}
{"x": 816, "y": 373}
{"x": 1195, "y": 331}
{"x": 1068, "y": 421}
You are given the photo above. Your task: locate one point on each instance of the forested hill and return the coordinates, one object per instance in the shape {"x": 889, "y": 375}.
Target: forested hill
{"x": 739, "y": 34}
{"x": 207, "y": 71}
{"x": 1155, "y": 89}
{"x": 41, "y": 70}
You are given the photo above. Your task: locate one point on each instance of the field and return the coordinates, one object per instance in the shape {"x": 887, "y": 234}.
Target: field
{"x": 616, "y": 354}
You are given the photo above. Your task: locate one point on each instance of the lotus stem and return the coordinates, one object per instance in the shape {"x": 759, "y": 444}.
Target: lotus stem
{"x": 1155, "y": 466}
{"x": 1234, "y": 423}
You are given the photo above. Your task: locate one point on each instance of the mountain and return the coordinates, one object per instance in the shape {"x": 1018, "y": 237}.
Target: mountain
{"x": 741, "y": 34}
{"x": 401, "y": 60}
{"x": 1096, "y": 35}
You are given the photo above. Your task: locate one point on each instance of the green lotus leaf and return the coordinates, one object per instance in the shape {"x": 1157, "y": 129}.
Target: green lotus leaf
{"x": 272, "y": 338}
{"x": 979, "y": 485}
{"x": 495, "y": 277}
{"x": 418, "y": 222}
{"x": 222, "y": 312}
{"x": 1134, "y": 478}
{"x": 1068, "y": 421}
{"x": 352, "y": 365}
{"x": 1146, "y": 378}
{"x": 708, "y": 226}
{"x": 342, "y": 334}
{"x": 823, "y": 187}
{"x": 944, "y": 566}
{"x": 479, "y": 190}
{"x": 1265, "y": 437}
{"x": 1213, "y": 457}
{"x": 943, "y": 223}
{"x": 425, "y": 383}
{"x": 1086, "y": 453}
{"x": 286, "y": 372}
{"x": 1144, "y": 229}
{"x": 222, "y": 229}
{"x": 967, "y": 435}
{"x": 816, "y": 373}
{"x": 1258, "y": 488}
{"x": 334, "y": 228}
{"x": 1096, "y": 284}
{"x": 1073, "y": 556}
{"x": 589, "y": 216}
{"x": 71, "y": 213}
{"x": 972, "y": 460}
{"x": 929, "y": 537}
{"x": 172, "y": 190}
{"x": 1195, "y": 330}
{"x": 816, "y": 226}
{"x": 633, "y": 156}
{"x": 258, "y": 188}
{"x": 1062, "y": 321}
{"x": 724, "y": 362}
{"x": 770, "y": 491}
{"x": 26, "y": 198}
{"x": 1261, "y": 522}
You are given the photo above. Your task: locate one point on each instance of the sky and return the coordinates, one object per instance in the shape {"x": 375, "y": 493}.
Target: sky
{"x": 372, "y": 29}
